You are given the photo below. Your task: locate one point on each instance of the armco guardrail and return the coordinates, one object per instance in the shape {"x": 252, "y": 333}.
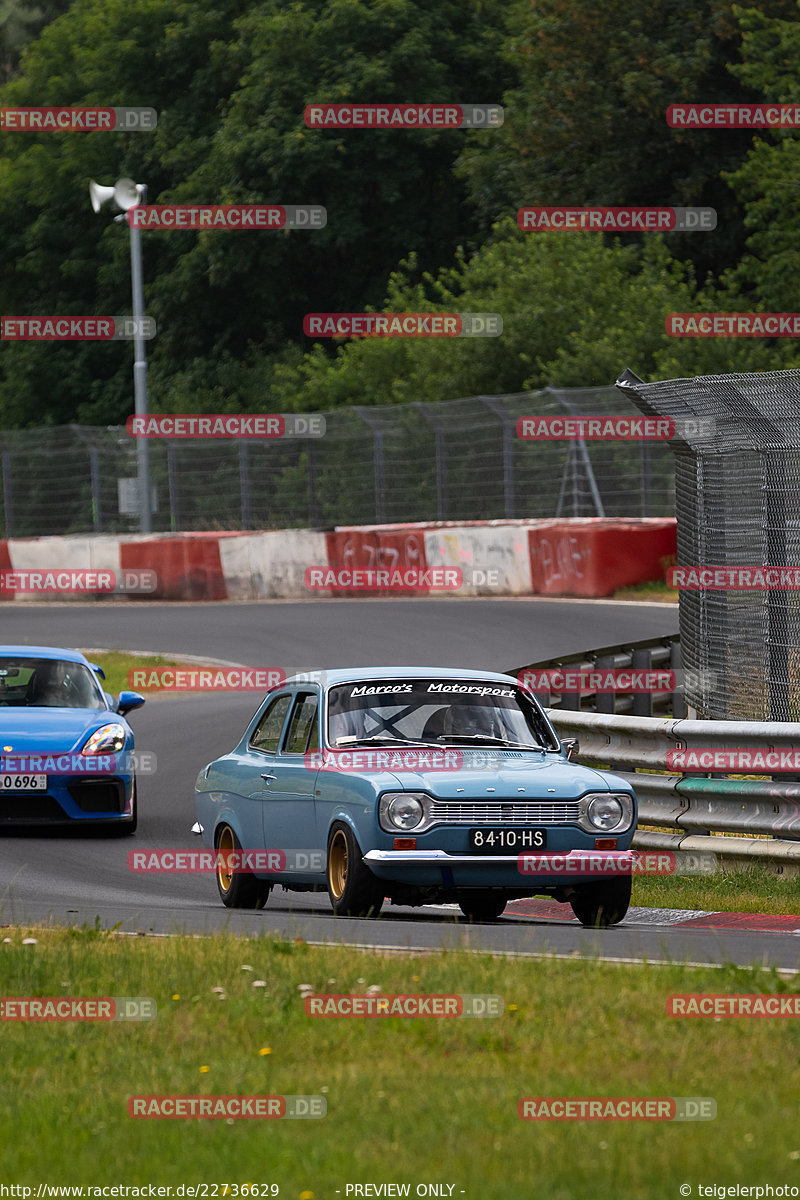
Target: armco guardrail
{"x": 661, "y": 654}
{"x": 696, "y": 806}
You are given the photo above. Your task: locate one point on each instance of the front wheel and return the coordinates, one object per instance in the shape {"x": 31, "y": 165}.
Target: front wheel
{"x": 482, "y": 905}
{"x": 237, "y": 889}
{"x": 354, "y": 891}
{"x": 601, "y": 904}
{"x": 126, "y": 827}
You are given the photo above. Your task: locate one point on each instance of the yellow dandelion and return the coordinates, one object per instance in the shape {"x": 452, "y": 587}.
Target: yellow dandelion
{"x": 265, "y": 1050}
{"x": 306, "y": 1195}
{"x": 203, "y": 1070}
{"x": 176, "y": 996}
{"x": 415, "y": 978}
{"x": 513, "y": 1008}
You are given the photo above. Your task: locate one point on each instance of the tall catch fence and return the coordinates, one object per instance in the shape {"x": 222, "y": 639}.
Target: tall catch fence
{"x": 737, "y": 505}
{"x": 458, "y": 460}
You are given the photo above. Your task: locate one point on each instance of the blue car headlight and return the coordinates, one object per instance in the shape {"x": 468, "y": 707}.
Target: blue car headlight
{"x": 108, "y": 739}
{"x": 402, "y": 810}
{"x": 609, "y": 812}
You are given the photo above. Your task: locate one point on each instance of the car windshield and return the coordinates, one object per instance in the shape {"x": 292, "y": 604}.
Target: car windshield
{"x": 47, "y": 683}
{"x": 436, "y": 712}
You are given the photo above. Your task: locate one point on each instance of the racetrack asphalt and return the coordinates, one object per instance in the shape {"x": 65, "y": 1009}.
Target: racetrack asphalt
{"x": 71, "y": 879}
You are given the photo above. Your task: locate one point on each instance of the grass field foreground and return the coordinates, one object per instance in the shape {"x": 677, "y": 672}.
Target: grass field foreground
{"x": 409, "y": 1100}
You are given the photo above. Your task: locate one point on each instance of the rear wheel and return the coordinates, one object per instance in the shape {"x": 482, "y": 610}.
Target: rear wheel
{"x": 601, "y": 904}
{"x": 354, "y": 891}
{"x": 237, "y": 889}
{"x": 482, "y": 905}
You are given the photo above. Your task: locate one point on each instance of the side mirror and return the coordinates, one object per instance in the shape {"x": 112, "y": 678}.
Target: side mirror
{"x": 128, "y": 701}
{"x": 572, "y": 748}
{"x": 98, "y": 670}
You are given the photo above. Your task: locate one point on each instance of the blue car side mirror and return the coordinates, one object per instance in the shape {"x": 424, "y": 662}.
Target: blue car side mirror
{"x": 128, "y": 701}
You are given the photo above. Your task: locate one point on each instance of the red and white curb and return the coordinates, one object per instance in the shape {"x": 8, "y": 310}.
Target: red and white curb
{"x": 688, "y": 918}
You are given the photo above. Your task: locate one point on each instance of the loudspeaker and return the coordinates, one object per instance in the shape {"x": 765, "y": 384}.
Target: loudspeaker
{"x": 99, "y": 194}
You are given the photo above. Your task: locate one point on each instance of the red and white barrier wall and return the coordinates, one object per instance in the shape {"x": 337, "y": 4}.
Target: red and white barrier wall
{"x": 573, "y": 557}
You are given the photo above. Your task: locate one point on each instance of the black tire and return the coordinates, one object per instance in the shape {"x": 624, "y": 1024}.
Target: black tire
{"x": 482, "y": 905}
{"x": 237, "y": 889}
{"x": 599, "y": 905}
{"x": 124, "y": 828}
{"x": 353, "y": 890}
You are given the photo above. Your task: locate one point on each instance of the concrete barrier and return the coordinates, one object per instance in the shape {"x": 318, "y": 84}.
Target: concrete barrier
{"x": 588, "y": 558}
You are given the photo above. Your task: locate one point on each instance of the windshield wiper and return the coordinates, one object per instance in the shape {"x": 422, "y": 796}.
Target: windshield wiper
{"x": 487, "y": 740}
{"x": 352, "y": 740}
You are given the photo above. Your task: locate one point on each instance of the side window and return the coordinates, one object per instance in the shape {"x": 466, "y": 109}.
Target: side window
{"x": 268, "y": 731}
{"x": 303, "y": 719}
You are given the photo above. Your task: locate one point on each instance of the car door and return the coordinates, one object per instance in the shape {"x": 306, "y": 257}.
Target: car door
{"x": 288, "y": 810}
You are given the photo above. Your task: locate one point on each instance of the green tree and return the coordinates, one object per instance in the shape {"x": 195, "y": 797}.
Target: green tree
{"x": 230, "y": 80}
{"x": 587, "y": 122}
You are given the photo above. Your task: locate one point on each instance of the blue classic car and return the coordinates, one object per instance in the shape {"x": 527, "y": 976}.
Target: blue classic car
{"x": 65, "y": 746}
{"x": 415, "y": 784}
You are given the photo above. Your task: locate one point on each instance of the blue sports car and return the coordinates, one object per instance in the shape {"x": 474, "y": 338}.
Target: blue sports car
{"x": 418, "y": 785}
{"x": 66, "y": 750}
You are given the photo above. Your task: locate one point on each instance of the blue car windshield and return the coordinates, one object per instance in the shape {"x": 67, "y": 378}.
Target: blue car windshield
{"x": 436, "y": 712}
{"x": 48, "y": 683}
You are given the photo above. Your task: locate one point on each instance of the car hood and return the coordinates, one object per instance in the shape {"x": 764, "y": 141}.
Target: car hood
{"x": 510, "y": 775}
{"x": 50, "y": 730}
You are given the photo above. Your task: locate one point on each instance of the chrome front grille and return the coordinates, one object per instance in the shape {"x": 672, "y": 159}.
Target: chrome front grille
{"x": 500, "y": 812}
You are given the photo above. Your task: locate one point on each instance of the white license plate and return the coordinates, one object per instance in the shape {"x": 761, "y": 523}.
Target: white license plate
{"x": 23, "y": 783}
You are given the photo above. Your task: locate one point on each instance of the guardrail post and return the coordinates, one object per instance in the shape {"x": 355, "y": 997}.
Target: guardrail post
{"x": 605, "y": 702}
{"x": 642, "y": 701}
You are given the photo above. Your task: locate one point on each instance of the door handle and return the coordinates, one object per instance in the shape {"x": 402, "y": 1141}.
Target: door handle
{"x": 267, "y": 776}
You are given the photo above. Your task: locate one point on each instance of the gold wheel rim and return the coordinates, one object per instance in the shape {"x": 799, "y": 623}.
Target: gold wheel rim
{"x": 337, "y": 864}
{"x": 224, "y": 872}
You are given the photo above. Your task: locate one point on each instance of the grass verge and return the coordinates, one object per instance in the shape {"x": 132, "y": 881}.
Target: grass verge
{"x": 409, "y": 1101}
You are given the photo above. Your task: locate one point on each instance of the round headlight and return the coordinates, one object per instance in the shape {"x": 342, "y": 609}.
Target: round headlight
{"x": 605, "y": 812}
{"x": 405, "y": 812}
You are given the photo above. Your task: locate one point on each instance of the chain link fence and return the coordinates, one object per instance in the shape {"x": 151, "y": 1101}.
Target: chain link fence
{"x": 738, "y": 506}
{"x": 459, "y": 460}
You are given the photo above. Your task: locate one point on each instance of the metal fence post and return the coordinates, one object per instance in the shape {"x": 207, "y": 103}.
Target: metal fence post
{"x": 8, "y": 498}
{"x": 172, "y": 485}
{"x": 244, "y": 484}
{"x": 509, "y": 425}
{"x": 379, "y": 464}
{"x": 440, "y": 457}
